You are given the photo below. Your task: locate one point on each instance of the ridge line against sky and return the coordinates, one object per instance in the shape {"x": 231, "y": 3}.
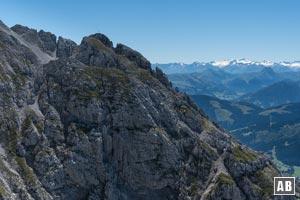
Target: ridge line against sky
{"x": 169, "y": 31}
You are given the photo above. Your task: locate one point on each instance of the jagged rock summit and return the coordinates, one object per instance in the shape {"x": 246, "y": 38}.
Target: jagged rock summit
{"x": 91, "y": 121}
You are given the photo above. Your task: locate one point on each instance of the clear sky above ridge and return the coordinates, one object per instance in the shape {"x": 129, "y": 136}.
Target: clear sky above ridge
{"x": 172, "y": 31}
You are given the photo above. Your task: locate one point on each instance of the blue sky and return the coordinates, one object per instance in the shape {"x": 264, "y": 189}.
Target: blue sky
{"x": 173, "y": 31}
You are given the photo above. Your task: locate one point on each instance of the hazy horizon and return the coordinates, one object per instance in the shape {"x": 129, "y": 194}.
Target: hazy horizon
{"x": 199, "y": 61}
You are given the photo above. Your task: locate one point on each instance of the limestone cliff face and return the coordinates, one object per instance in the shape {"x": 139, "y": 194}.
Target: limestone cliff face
{"x": 91, "y": 121}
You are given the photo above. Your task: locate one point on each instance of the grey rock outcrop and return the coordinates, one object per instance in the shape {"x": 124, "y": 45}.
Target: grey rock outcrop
{"x": 46, "y": 41}
{"x": 93, "y": 52}
{"x": 162, "y": 77}
{"x": 133, "y": 56}
{"x": 65, "y": 47}
{"x": 103, "y": 39}
{"x": 98, "y": 123}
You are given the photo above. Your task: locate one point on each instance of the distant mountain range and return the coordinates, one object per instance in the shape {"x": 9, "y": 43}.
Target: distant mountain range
{"x": 241, "y": 86}
{"x": 262, "y": 129}
{"x": 235, "y": 66}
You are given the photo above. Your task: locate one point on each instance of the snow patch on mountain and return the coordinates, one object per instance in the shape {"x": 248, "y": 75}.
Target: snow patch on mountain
{"x": 222, "y": 63}
{"x": 291, "y": 64}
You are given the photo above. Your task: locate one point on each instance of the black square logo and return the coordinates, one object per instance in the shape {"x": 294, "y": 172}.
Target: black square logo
{"x": 284, "y": 185}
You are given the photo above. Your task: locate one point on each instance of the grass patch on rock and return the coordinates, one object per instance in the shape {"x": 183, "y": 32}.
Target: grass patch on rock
{"x": 26, "y": 171}
{"x": 225, "y": 179}
{"x": 243, "y": 155}
{"x": 265, "y": 180}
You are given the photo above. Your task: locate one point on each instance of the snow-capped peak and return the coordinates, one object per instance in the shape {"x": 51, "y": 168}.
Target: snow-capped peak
{"x": 244, "y": 61}
{"x": 222, "y": 63}
{"x": 225, "y": 63}
{"x": 199, "y": 63}
{"x": 291, "y": 64}
{"x": 266, "y": 63}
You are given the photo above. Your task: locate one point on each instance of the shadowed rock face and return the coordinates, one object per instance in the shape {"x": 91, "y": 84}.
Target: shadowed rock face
{"x": 65, "y": 47}
{"x": 96, "y": 123}
{"x": 133, "y": 56}
{"x": 44, "y": 40}
{"x": 93, "y": 52}
{"x": 103, "y": 39}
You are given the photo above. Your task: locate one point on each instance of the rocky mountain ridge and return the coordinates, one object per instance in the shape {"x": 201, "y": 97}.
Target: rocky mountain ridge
{"x": 93, "y": 121}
